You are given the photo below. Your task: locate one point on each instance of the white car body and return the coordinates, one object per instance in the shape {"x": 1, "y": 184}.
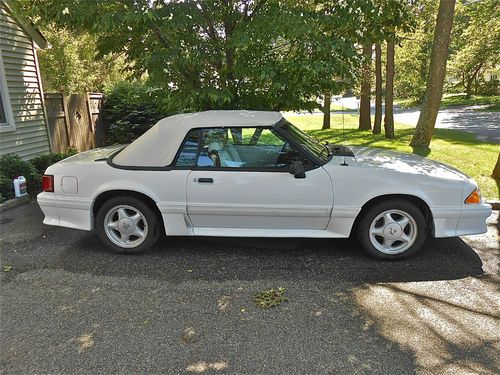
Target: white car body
{"x": 256, "y": 203}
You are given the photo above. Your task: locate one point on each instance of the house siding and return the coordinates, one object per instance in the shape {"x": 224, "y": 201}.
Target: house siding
{"x": 30, "y": 137}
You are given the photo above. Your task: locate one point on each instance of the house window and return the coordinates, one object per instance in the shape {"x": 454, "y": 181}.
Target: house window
{"x": 3, "y": 118}
{"x": 6, "y": 115}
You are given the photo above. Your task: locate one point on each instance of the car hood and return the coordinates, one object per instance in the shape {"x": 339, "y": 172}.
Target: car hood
{"x": 374, "y": 158}
{"x": 91, "y": 155}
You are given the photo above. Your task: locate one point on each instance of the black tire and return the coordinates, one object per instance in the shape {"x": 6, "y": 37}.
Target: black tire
{"x": 150, "y": 221}
{"x": 393, "y": 206}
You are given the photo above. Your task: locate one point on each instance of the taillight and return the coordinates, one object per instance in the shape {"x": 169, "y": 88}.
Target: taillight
{"x": 48, "y": 183}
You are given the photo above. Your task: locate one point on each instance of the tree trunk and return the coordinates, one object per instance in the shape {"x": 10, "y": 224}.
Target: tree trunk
{"x": 434, "y": 89}
{"x": 468, "y": 88}
{"x": 365, "y": 122}
{"x": 378, "y": 90}
{"x": 389, "y": 91}
{"x": 496, "y": 170}
{"x": 327, "y": 98}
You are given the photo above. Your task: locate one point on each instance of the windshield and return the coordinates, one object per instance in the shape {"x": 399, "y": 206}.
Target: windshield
{"x": 311, "y": 144}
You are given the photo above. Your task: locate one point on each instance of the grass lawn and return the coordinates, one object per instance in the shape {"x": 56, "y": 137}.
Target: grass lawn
{"x": 459, "y": 149}
{"x": 450, "y": 100}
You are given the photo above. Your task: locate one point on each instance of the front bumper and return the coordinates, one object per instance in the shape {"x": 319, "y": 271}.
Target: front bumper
{"x": 452, "y": 221}
{"x": 70, "y": 212}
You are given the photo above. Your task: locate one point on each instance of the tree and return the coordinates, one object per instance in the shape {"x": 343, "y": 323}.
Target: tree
{"x": 225, "y": 54}
{"x": 72, "y": 64}
{"x": 413, "y": 52}
{"x": 476, "y": 44}
{"x": 395, "y": 16}
{"x": 378, "y": 89}
{"x": 327, "y": 99}
{"x": 379, "y": 22}
{"x": 389, "y": 91}
{"x": 496, "y": 170}
{"x": 365, "y": 122}
{"x": 430, "y": 107}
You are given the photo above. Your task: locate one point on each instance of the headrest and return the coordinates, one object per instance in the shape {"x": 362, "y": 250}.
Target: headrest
{"x": 214, "y": 146}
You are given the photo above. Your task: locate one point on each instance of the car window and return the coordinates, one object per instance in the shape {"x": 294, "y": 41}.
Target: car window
{"x": 254, "y": 148}
{"x": 187, "y": 155}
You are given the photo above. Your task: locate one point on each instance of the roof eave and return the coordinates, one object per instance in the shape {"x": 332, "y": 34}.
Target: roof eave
{"x": 32, "y": 31}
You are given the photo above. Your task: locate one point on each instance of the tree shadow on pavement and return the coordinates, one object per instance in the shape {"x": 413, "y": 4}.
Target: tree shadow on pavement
{"x": 347, "y": 313}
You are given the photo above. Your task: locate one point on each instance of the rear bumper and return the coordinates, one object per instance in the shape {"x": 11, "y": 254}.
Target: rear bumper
{"x": 452, "y": 222}
{"x": 70, "y": 212}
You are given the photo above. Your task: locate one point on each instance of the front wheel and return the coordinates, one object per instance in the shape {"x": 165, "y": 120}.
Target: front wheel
{"x": 127, "y": 225}
{"x": 391, "y": 230}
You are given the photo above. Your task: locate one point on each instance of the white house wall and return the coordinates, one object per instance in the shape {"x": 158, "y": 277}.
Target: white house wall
{"x": 29, "y": 138}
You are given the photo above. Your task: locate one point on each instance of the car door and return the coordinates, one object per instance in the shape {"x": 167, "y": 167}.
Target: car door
{"x": 240, "y": 179}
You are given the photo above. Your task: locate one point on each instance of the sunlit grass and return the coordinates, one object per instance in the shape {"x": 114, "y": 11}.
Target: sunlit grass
{"x": 457, "y": 148}
{"x": 451, "y": 100}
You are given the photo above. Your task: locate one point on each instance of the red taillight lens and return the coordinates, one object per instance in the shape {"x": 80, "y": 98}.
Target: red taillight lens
{"x": 48, "y": 183}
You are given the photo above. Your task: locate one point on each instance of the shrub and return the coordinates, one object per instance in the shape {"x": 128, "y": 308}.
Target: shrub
{"x": 12, "y": 166}
{"x": 42, "y": 162}
{"x": 130, "y": 109}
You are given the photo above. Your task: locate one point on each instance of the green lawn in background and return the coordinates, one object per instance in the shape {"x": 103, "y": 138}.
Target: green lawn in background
{"x": 449, "y": 100}
{"x": 457, "y": 148}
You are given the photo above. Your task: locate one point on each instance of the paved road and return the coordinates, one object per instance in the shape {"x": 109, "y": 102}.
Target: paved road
{"x": 485, "y": 125}
{"x": 69, "y": 306}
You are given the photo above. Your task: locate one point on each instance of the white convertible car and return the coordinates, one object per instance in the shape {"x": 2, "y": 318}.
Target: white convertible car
{"x": 254, "y": 174}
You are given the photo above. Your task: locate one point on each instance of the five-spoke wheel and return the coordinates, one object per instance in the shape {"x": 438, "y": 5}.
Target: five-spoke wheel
{"x": 127, "y": 225}
{"x": 392, "y": 229}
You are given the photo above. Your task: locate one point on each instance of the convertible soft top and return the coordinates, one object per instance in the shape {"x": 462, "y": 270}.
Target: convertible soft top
{"x": 158, "y": 146}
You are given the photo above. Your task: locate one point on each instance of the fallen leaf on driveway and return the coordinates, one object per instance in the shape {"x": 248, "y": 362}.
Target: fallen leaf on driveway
{"x": 85, "y": 341}
{"x": 189, "y": 335}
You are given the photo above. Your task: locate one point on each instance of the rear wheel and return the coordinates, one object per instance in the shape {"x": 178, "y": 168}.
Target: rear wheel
{"x": 127, "y": 225}
{"x": 391, "y": 230}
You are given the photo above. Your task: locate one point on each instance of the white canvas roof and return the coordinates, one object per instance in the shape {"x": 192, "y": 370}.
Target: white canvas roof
{"x": 159, "y": 145}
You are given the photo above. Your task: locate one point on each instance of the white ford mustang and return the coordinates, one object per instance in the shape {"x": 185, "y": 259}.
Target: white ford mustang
{"x": 253, "y": 174}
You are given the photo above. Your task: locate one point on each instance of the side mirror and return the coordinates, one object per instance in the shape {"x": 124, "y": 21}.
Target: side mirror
{"x": 297, "y": 169}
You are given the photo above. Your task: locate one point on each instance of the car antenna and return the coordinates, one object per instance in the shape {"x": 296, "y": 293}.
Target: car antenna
{"x": 344, "y": 164}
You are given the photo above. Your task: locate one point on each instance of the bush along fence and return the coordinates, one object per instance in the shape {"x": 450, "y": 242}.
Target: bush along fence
{"x": 12, "y": 166}
{"x": 81, "y": 122}
{"x": 72, "y": 120}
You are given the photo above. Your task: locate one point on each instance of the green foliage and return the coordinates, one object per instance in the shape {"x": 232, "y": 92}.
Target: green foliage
{"x": 12, "y": 166}
{"x": 72, "y": 64}
{"x": 5, "y": 188}
{"x": 130, "y": 109}
{"x": 255, "y": 54}
{"x": 476, "y": 43}
{"x": 412, "y": 55}
{"x": 474, "y": 49}
{"x": 42, "y": 162}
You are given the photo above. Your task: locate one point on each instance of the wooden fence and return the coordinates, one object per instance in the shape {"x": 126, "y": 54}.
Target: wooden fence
{"x": 72, "y": 120}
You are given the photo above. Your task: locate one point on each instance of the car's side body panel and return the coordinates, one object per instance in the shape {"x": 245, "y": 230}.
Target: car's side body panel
{"x": 350, "y": 189}
{"x": 354, "y": 186}
{"x": 259, "y": 200}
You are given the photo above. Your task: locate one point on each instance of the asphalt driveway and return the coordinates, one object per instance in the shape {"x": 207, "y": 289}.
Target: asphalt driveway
{"x": 70, "y": 306}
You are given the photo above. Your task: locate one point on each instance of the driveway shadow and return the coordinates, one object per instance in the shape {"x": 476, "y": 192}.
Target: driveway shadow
{"x": 178, "y": 259}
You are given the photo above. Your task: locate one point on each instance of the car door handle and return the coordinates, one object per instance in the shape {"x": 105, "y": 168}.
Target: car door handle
{"x": 205, "y": 180}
